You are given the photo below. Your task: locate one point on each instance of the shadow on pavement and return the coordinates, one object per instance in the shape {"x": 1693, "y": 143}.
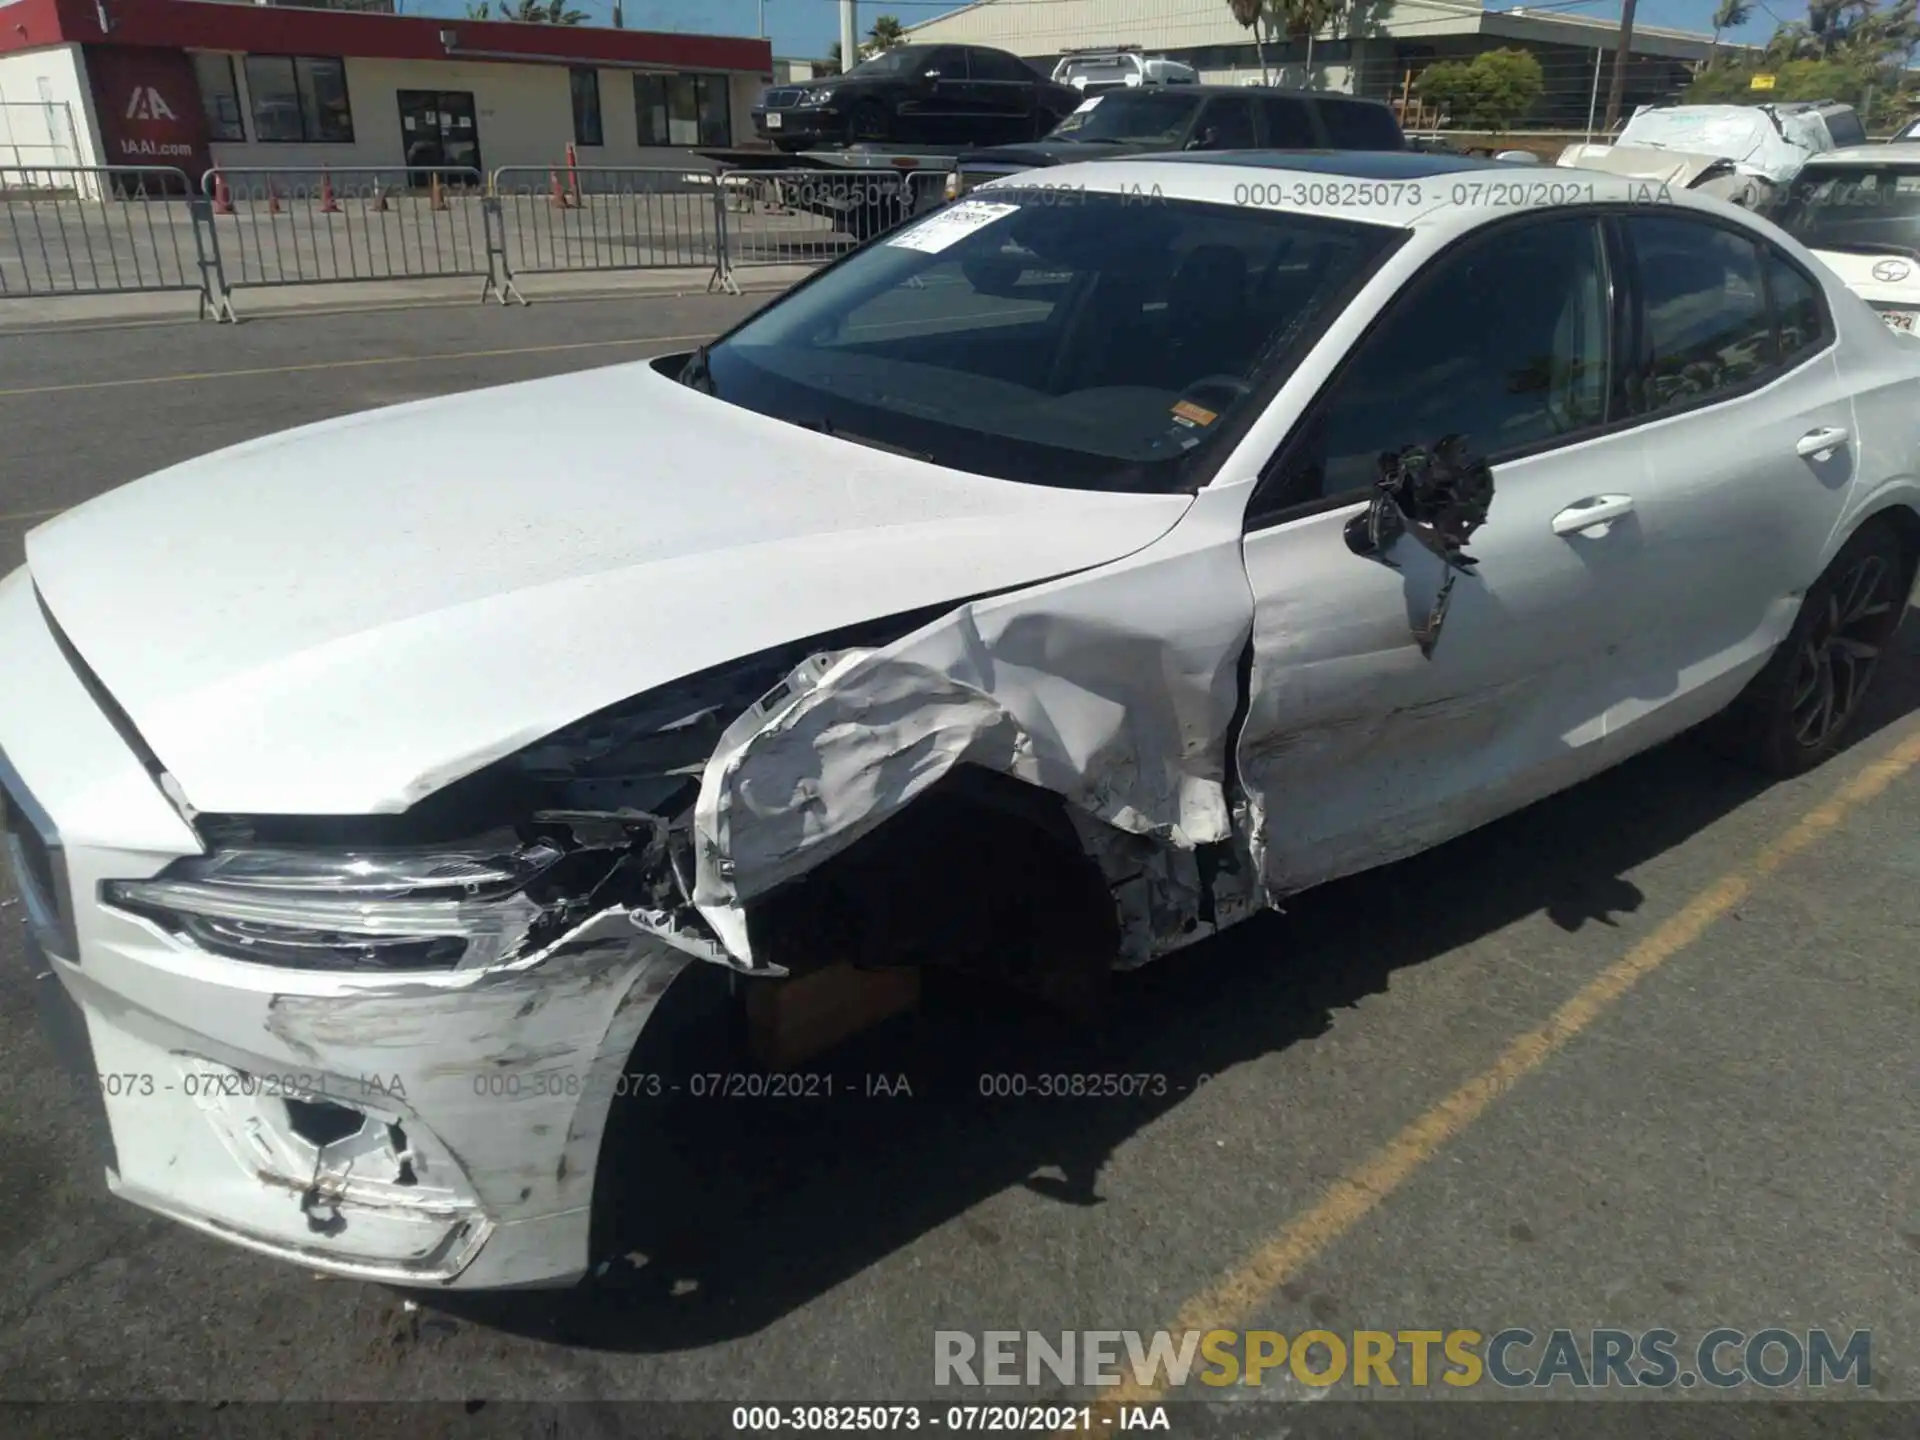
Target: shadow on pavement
{"x": 747, "y": 1209}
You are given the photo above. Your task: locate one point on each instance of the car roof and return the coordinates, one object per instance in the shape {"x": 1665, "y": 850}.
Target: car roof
{"x": 1891, "y": 150}
{"x": 1401, "y": 189}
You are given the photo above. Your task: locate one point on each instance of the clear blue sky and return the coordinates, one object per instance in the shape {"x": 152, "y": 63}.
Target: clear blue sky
{"x": 809, "y": 27}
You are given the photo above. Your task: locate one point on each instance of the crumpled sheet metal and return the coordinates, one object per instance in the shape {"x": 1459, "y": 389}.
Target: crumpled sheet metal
{"x": 1075, "y": 690}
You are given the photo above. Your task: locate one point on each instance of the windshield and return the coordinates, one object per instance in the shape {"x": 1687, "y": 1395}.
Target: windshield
{"x": 1870, "y": 208}
{"x": 1111, "y": 344}
{"x": 1154, "y": 117}
{"x": 891, "y": 62}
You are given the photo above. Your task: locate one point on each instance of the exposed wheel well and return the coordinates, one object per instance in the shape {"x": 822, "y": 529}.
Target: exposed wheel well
{"x": 1905, "y": 523}
{"x": 982, "y": 873}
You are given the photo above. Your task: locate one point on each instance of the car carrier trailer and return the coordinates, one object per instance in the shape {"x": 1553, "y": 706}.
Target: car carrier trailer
{"x": 861, "y": 209}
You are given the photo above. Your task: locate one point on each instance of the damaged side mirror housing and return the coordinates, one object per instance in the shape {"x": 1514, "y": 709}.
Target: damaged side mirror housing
{"x": 1439, "y": 495}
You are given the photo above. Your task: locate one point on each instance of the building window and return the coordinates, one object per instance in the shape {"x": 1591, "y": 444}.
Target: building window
{"x": 683, "y": 109}
{"x": 586, "y": 106}
{"x": 220, "y": 97}
{"x": 299, "y": 98}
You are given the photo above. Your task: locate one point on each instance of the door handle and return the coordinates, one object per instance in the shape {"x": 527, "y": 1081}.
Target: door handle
{"x": 1594, "y": 511}
{"x": 1820, "y": 442}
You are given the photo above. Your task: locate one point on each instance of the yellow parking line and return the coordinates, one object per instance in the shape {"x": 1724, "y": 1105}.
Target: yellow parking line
{"x": 357, "y": 363}
{"x": 1352, "y": 1197}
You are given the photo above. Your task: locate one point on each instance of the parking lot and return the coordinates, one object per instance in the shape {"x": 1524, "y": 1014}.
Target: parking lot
{"x": 1644, "y": 1056}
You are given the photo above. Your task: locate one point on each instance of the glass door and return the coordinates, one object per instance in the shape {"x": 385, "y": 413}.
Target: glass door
{"x": 441, "y": 131}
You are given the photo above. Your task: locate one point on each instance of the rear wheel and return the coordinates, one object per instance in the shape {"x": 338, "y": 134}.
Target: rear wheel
{"x": 1803, "y": 706}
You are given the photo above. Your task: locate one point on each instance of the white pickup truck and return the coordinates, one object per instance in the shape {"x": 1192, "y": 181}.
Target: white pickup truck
{"x": 1122, "y": 67}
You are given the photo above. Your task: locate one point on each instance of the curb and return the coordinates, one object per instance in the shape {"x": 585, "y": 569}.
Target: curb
{"x": 371, "y": 305}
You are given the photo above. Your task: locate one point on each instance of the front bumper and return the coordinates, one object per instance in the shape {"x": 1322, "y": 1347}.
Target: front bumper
{"x": 418, "y": 1129}
{"x": 797, "y": 127}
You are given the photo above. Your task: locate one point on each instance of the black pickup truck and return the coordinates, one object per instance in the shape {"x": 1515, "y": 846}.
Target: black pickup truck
{"x": 1154, "y": 121}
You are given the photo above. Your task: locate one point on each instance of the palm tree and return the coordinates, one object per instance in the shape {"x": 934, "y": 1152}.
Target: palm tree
{"x": 886, "y": 34}
{"x": 1250, "y": 15}
{"x": 1731, "y": 15}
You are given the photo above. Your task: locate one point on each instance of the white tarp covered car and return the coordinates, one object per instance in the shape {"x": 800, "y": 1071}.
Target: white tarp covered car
{"x": 1741, "y": 153}
{"x": 1043, "y": 586}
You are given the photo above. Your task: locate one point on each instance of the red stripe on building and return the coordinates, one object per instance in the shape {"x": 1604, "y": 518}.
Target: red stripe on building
{"x": 285, "y": 30}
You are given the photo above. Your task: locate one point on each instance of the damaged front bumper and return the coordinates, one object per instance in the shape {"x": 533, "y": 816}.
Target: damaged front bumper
{"x": 414, "y": 1128}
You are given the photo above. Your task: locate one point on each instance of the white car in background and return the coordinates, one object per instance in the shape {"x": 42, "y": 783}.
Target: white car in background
{"x": 1743, "y": 153}
{"x": 1040, "y": 589}
{"x": 1858, "y": 209}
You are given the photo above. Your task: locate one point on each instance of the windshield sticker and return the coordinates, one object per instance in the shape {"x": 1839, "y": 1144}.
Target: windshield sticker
{"x": 1190, "y": 414}
{"x": 1086, "y": 105}
{"x": 951, "y": 225}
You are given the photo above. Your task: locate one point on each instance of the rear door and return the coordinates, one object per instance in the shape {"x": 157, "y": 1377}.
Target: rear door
{"x": 1751, "y": 442}
{"x": 1004, "y": 89}
{"x": 1357, "y": 748}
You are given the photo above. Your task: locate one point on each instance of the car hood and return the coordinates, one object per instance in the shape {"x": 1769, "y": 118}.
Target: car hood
{"x": 345, "y": 617}
{"x": 1670, "y": 167}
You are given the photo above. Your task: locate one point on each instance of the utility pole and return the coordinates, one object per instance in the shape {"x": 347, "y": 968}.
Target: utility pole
{"x": 762, "y": 31}
{"x": 849, "y": 36}
{"x": 1617, "y": 90}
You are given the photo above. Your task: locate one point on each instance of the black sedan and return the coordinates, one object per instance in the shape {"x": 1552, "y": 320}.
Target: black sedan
{"x": 960, "y": 95}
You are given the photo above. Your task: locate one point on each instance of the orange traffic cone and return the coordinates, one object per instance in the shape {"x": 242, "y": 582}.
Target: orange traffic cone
{"x": 560, "y": 200}
{"x": 439, "y": 195}
{"x": 379, "y": 196}
{"x": 273, "y": 199}
{"x": 573, "y": 173}
{"x": 328, "y": 205}
{"x": 222, "y": 199}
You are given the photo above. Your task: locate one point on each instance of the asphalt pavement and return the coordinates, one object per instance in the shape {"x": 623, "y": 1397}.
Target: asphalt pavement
{"x": 1641, "y": 1057}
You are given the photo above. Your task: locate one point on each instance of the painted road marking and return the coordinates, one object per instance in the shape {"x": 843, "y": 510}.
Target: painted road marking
{"x": 30, "y": 515}
{"x": 1351, "y": 1198}
{"x": 354, "y": 364}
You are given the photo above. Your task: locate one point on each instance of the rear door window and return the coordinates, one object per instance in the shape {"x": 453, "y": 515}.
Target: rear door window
{"x": 1227, "y": 125}
{"x": 1354, "y": 126}
{"x": 1704, "y": 312}
{"x": 1289, "y": 126}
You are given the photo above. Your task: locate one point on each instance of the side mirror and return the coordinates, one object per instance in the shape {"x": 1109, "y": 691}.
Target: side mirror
{"x": 1439, "y": 496}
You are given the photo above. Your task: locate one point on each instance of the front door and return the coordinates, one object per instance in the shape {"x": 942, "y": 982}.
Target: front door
{"x": 1357, "y": 748}
{"x": 441, "y": 132}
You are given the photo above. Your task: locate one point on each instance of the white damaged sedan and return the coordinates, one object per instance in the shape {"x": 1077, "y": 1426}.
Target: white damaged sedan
{"x": 1040, "y": 589}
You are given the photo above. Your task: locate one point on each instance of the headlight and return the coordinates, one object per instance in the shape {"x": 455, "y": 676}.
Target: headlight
{"x": 431, "y": 908}
{"x": 816, "y": 97}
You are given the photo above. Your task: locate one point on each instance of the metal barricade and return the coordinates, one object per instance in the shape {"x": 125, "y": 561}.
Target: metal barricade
{"x": 107, "y": 230}
{"x": 322, "y": 226}
{"x": 560, "y": 219}
{"x": 812, "y": 217}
